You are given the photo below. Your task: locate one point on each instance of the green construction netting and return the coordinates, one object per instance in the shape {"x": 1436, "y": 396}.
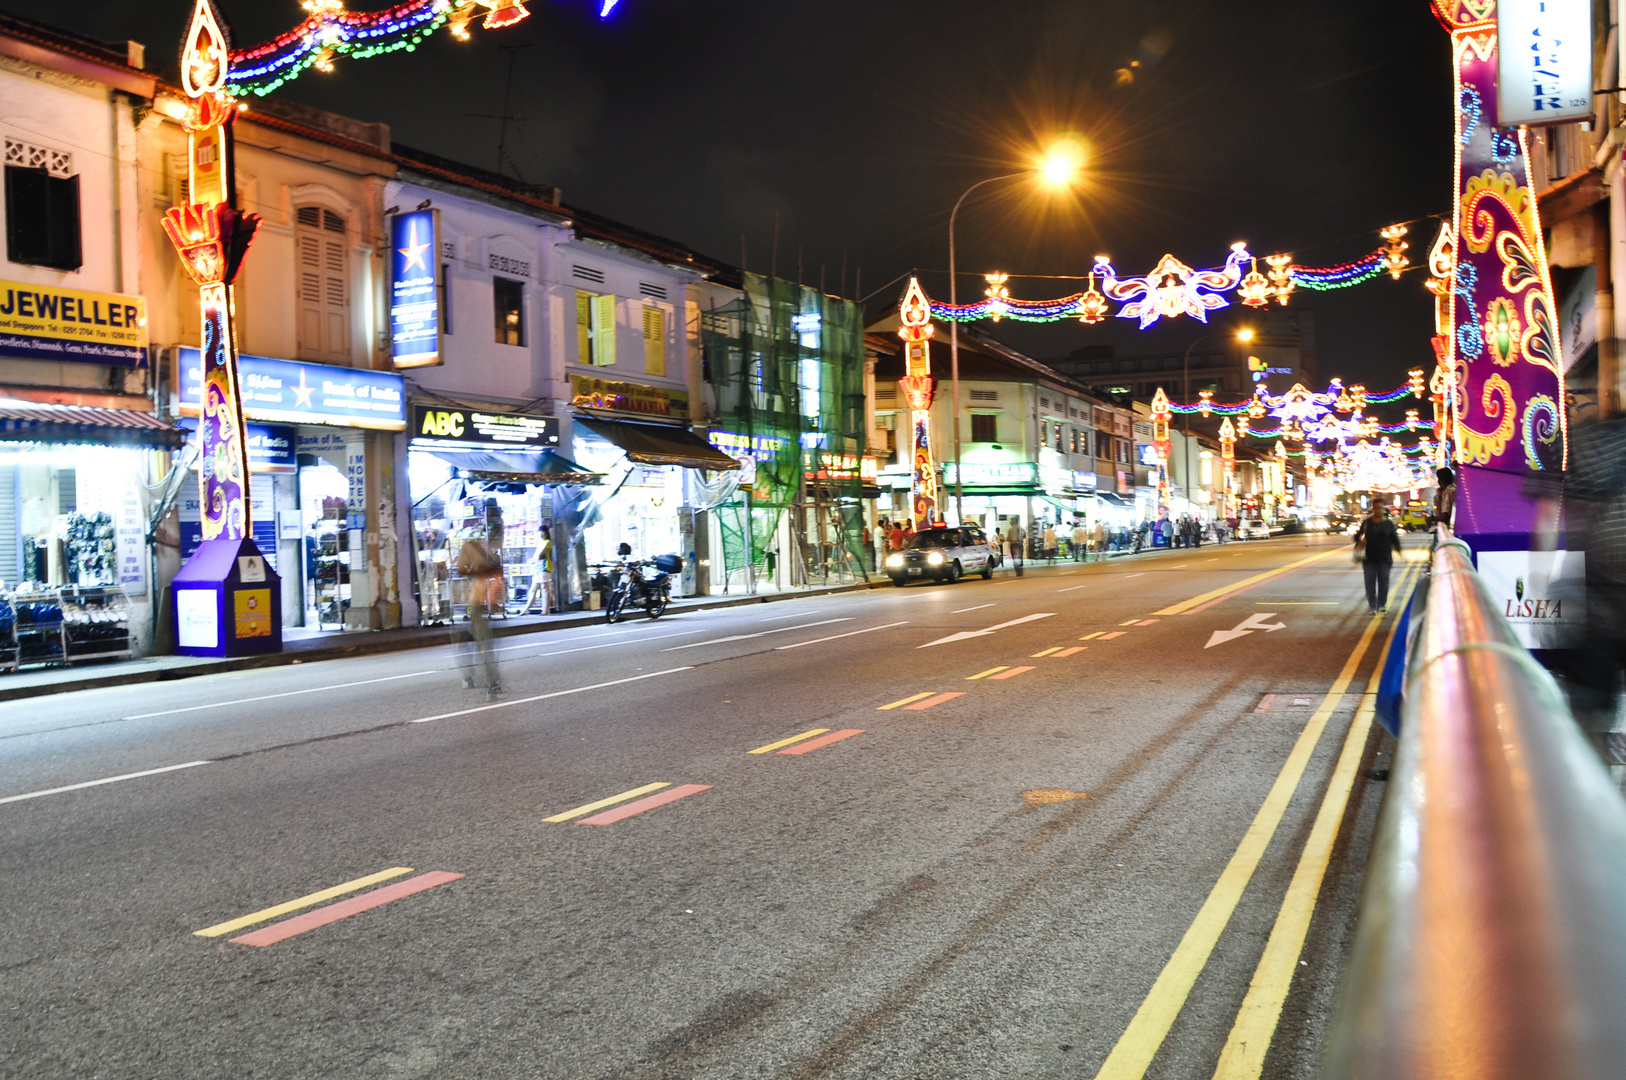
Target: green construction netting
{"x": 786, "y": 365}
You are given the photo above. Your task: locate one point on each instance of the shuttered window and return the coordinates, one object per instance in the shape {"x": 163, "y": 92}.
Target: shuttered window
{"x": 323, "y": 284}
{"x": 654, "y": 340}
{"x": 602, "y": 311}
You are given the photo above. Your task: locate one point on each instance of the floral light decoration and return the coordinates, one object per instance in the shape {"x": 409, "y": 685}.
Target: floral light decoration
{"x": 1394, "y": 250}
{"x": 1281, "y": 276}
{"x": 1255, "y": 287}
{"x": 997, "y": 294}
{"x": 1092, "y": 306}
{"x": 1172, "y": 288}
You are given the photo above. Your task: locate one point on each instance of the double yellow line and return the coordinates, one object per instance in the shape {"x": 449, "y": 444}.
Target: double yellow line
{"x": 1250, "y": 1038}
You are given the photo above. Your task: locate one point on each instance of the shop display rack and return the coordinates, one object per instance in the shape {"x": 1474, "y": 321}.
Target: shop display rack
{"x": 63, "y": 626}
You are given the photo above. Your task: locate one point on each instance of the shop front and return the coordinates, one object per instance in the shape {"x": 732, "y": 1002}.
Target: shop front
{"x": 497, "y": 477}
{"x": 655, "y": 470}
{"x": 317, "y": 436}
{"x": 998, "y": 495}
{"x": 75, "y": 565}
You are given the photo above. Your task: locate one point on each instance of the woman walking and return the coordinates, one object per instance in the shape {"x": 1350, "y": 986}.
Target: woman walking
{"x": 1375, "y": 544}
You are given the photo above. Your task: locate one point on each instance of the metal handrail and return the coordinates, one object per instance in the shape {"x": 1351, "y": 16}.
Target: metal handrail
{"x": 1492, "y": 927}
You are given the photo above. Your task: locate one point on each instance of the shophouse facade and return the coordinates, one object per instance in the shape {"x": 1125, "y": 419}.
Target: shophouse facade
{"x": 81, "y": 448}
{"x": 563, "y": 394}
{"x": 322, "y": 406}
{"x": 1036, "y": 447}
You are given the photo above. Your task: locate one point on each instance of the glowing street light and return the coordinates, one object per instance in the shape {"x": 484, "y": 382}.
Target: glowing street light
{"x": 1056, "y": 171}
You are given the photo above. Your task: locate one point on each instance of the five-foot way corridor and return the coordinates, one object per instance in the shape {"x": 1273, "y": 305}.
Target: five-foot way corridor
{"x": 1098, "y": 820}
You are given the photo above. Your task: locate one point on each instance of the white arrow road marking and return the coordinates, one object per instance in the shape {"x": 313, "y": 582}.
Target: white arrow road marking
{"x": 964, "y": 634}
{"x": 1245, "y": 627}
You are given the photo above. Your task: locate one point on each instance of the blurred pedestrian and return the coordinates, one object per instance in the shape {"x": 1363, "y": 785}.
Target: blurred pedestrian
{"x": 1080, "y": 541}
{"x": 1376, "y": 542}
{"x": 481, "y": 571}
{"x": 894, "y": 539}
{"x": 1445, "y": 499}
{"x": 1049, "y": 541}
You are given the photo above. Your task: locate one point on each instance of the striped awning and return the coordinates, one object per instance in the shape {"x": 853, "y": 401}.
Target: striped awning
{"x": 27, "y": 421}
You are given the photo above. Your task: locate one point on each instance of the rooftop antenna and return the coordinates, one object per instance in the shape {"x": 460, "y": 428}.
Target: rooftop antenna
{"x": 504, "y": 158}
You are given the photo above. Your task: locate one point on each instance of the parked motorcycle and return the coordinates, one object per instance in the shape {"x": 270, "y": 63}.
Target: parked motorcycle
{"x": 635, "y": 586}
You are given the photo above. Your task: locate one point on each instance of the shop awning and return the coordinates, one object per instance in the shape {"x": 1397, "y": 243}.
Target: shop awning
{"x": 1115, "y": 500}
{"x": 27, "y": 421}
{"x": 659, "y": 444}
{"x": 546, "y": 467}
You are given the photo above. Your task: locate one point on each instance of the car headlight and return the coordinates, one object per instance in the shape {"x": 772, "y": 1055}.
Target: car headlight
{"x": 935, "y": 559}
{"x": 894, "y": 560}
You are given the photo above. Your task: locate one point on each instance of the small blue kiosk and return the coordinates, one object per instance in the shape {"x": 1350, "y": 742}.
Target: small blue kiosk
{"x": 228, "y": 602}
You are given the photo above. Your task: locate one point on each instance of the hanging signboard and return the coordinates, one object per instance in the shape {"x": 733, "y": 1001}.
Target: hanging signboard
{"x": 461, "y": 427}
{"x": 40, "y": 323}
{"x": 415, "y": 318}
{"x": 1544, "y": 67}
{"x": 290, "y": 392}
{"x": 631, "y": 399}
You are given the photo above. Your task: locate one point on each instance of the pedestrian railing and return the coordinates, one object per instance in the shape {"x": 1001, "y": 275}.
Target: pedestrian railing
{"x": 1492, "y": 929}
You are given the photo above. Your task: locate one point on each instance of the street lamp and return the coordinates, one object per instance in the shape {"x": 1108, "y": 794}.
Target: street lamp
{"x": 1057, "y": 171}
{"x": 1244, "y": 335}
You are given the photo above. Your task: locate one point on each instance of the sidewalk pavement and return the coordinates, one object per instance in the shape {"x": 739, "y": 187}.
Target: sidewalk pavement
{"x": 39, "y": 682}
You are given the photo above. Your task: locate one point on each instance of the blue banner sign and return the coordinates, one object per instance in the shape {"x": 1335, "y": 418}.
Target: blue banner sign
{"x": 289, "y": 392}
{"x": 271, "y": 447}
{"x": 415, "y": 288}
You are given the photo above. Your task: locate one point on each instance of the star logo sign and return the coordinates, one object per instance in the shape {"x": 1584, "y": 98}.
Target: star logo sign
{"x": 302, "y": 393}
{"x": 414, "y": 253}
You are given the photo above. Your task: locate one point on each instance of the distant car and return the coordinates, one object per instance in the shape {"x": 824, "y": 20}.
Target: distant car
{"x": 1255, "y": 530}
{"x": 943, "y": 554}
{"x": 1414, "y": 518}
{"x": 1292, "y": 527}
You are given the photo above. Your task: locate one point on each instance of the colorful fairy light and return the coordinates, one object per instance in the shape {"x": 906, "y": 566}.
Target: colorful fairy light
{"x": 329, "y": 31}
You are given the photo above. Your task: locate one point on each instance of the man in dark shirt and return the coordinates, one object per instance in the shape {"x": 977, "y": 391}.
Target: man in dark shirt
{"x": 1380, "y": 539}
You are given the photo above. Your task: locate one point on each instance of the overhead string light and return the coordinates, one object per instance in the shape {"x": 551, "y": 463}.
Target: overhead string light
{"x": 329, "y": 32}
{"x": 1172, "y": 288}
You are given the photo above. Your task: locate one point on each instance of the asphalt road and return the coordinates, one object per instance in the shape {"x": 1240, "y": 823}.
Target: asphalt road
{"x": 988, "y": 884}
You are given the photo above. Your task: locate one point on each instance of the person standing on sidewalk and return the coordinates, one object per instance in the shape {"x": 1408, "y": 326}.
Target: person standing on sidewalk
{"x": 1376, "y": 542}
{"x": 481, "y": 571}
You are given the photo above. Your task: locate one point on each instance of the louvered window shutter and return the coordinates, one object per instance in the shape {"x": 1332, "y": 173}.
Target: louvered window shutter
{"x": 584, "y": 327}
{"x": 654, "y": 340}
{"x": 604, "y": 330}
{"x": 324, "y": 309}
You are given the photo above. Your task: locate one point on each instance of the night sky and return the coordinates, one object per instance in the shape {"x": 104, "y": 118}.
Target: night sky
{"x": 1294, "y": 126}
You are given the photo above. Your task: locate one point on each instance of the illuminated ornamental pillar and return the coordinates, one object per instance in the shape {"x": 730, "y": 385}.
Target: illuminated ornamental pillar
{"x": 917, "y": 391}
{"x": 1227, "y": 437}
{"x": 228, "y": 601}
{"x": 1161, "y": 416}
{"x": 1504, "y": 376}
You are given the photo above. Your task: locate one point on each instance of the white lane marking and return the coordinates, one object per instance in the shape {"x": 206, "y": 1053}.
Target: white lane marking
{"x": 602, "y": 645}
{"x": 1182, "y": 566}
{"x": 763, "y": 633}
{"x": 544, "y": 697}
{"x": 1214, "y": 559}
{"x": 792, "y": 615}
{"x": 963, "y": 610}
{"x": 964, "y": 634}
{"x": 268, "y": 697}
{"x": 104, "y": 780}
{"x": 1253, "y": 622}
{"x": 833, "y": 637}
{"x": 1137, "y": 573}
{"x": 1075, "y": 588}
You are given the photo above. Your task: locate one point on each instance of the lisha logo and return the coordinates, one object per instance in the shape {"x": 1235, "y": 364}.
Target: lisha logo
{"x": 1520, "y": 608}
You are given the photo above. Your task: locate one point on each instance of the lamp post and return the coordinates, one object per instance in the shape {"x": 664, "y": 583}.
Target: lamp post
{"x": 1056, "y": 171}
{"x": 1244, "y": 335}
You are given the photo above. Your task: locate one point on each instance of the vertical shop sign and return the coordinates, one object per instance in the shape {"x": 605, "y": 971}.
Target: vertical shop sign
{"x": 222, "y": 471}
{"x": 130, "y": 538}
{"x": 415, "y": 288}
{"x": 1505, "y": 347}
{"x": 1544, "y": 70}
{"x": 355, "y": 471}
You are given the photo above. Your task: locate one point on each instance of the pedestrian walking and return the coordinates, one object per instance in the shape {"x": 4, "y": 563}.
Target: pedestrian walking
{"x": 1376, "y": 541}
{"x": 1018, "y": 540}
{"x": 481, "y": 571}
{"x": 541, "y": 576}
{"x": 1080, "y": 541}
{"x": 1049, "y": 542}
